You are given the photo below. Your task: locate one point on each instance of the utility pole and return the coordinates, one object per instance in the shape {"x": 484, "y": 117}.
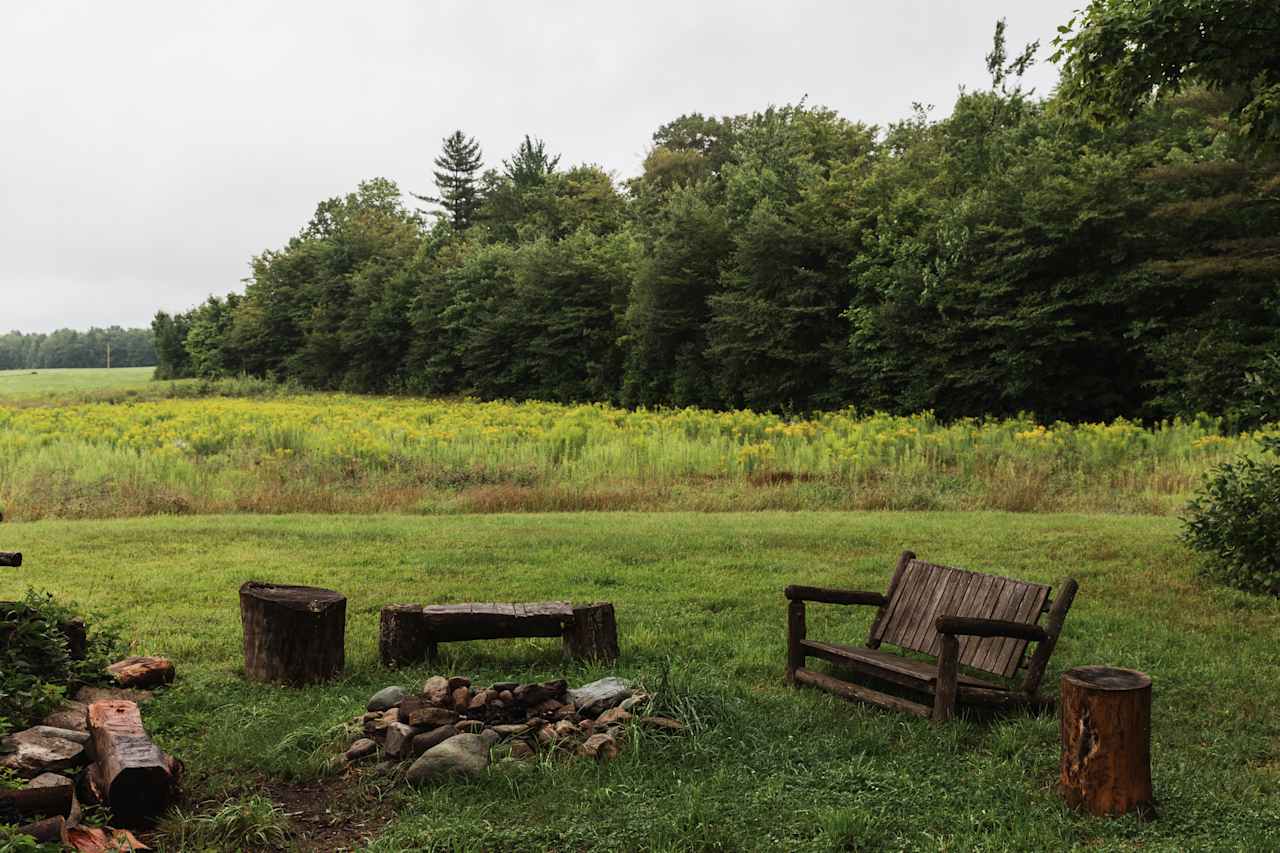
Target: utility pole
{"x": 108, "y": 355}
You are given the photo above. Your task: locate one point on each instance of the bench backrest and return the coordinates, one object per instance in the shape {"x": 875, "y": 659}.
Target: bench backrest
{"x": 921, "y": 592}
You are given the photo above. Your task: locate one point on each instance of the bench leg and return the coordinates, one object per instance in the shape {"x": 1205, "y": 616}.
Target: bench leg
{"x": 944, "y": 691}
{"x": 795, "y": 635}
{"x": 433, "y": 652}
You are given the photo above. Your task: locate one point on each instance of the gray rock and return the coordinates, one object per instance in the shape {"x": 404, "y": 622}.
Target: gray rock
{"x": 362, "y": 748}
{"x": 66, "y": 734}
{"x": 50, "y": 780}
{"x": 399, "y": 740}
{"x": 32, "y": 754}
{"x": 435, "y": 737}
{"x": 70, "y": 715}
{"x": 591, "y": 699}
{"x": 490, "y": 736}
{"x": 387, "y": 697}
{"x": 631, "y": 702}
{"x": 461, "y": 756}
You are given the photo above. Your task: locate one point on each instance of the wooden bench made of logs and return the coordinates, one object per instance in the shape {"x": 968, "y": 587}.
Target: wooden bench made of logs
{"x": 409, "y": 633}
{"x": 960, "y": 618}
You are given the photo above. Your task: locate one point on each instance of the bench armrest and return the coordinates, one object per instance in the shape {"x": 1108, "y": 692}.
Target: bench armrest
{"x": 834, "y": 596}
{"x": 975, "y": 627}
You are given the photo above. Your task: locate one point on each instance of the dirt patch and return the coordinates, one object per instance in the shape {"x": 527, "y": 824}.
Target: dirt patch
{"x": 333, "y": 814}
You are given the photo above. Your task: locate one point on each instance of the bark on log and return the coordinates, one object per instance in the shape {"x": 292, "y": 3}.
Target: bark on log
{"x": 13, "y": 559}
{"x": 33, "y": 802}
{"x": 292, "y": 634}
{"x": 402, "y": 636}
{"x": 130, "y": 775}
{"x": 1106, "y": 741}
{"x": 593, "y": 634}
{"x": 52, "y": 830}
{"x": 142, "y": 671}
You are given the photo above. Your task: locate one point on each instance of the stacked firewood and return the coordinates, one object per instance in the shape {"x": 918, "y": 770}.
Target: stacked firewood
{"x": 506, "y": 719}
{"x": 122, "y": 769}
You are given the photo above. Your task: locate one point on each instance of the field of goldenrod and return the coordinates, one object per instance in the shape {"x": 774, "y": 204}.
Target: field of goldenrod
{"x": 329, "y": 452}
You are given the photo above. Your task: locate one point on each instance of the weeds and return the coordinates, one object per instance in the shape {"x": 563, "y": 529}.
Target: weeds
{"x": 250, "y": 823}
{"x": 247, "y": 446}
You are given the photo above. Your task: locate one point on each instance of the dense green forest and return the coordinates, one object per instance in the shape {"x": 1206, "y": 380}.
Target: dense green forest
{"x": 70, "y": 348}
{"x": 1099, "y": 252}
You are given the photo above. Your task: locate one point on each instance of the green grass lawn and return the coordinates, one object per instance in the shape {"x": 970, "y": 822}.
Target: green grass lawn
{"x": 72, "y": 380}
{"x": 699, "y": 601}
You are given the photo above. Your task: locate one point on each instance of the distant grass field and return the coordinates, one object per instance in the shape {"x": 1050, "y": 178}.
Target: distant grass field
{"x": 248, "y": 446}
{"x": 60, "y": 381}
{"x": 699, "y": 599}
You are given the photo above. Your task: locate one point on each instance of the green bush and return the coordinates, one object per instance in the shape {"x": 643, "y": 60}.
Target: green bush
{"x": 1234, "y": 521}
{"x": 37, "y": 665}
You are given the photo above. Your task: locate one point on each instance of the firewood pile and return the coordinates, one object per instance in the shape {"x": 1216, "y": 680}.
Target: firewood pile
{"x": 91, "y": 750}
{"x": 453, "y": 728}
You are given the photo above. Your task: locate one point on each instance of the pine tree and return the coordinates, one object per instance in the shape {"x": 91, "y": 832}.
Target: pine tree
{"x": 459, "y": 161}
{"x": 531, "y": 164}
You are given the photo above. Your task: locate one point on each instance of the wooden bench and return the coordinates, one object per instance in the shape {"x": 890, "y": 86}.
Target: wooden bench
{"x": 959, "y": 618}
{"x": 413, "y": 632}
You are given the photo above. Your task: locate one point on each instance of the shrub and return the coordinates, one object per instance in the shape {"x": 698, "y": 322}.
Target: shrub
{"x": 1234, "y": 521}
{"x": 37, "y": 663}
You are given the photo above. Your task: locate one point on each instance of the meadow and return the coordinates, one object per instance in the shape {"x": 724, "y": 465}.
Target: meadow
{"x": 245, "y": 446}
{"x": 701, "y": 610}
{"x": 396, "y": 499}
{"x": 49, "y": 382}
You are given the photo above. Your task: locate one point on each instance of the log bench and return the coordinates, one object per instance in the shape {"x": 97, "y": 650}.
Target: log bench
{"x": 413, "y": 632}
{"x": 959, "y": 618}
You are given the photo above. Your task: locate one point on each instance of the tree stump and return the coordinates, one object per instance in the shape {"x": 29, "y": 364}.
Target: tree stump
{"x": 130, "y": 773}
{"x": 593, "y": 634}
{"x": 292, "y": 634}
{"x": 1106, "y": 741}
{"x": 402, "y": 638}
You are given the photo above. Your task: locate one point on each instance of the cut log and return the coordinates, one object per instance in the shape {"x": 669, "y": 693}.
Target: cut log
{"x": 1106, "y": 741}
{"x": 131, "y": 775}
{"x": 39, "y": 801}
{"x": 142, "y": 671}
{"x": 292, "y": 634}
{"x": 52, "y": 830}
{"x": 402, "y": 637}
{"x": 593, "y": 634}
{"x": 13, "y": 559}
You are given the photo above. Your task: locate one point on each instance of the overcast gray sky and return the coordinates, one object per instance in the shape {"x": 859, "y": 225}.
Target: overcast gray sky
{"x": 149, "y": 150}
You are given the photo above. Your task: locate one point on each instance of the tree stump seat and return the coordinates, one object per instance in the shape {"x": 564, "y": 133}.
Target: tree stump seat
{"x": 292, "y": 634}
{"x": 1106, "y": 741}
{"x": 412, "y": 632}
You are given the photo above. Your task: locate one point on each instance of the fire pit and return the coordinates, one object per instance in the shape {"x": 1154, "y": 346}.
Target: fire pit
{"x": 454, "y": 729}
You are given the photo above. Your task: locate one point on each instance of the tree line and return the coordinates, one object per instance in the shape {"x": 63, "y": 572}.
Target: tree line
{"x": 1087, "y": 255}
{"x": 72, "y": 348}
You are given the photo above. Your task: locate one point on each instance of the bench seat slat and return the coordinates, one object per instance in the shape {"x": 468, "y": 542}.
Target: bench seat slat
{"x": 918, "y": 672}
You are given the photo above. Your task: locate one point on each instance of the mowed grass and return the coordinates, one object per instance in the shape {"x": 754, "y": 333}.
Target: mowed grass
{"x": 699, "y": 603}
{"x": 72, "y": 380}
